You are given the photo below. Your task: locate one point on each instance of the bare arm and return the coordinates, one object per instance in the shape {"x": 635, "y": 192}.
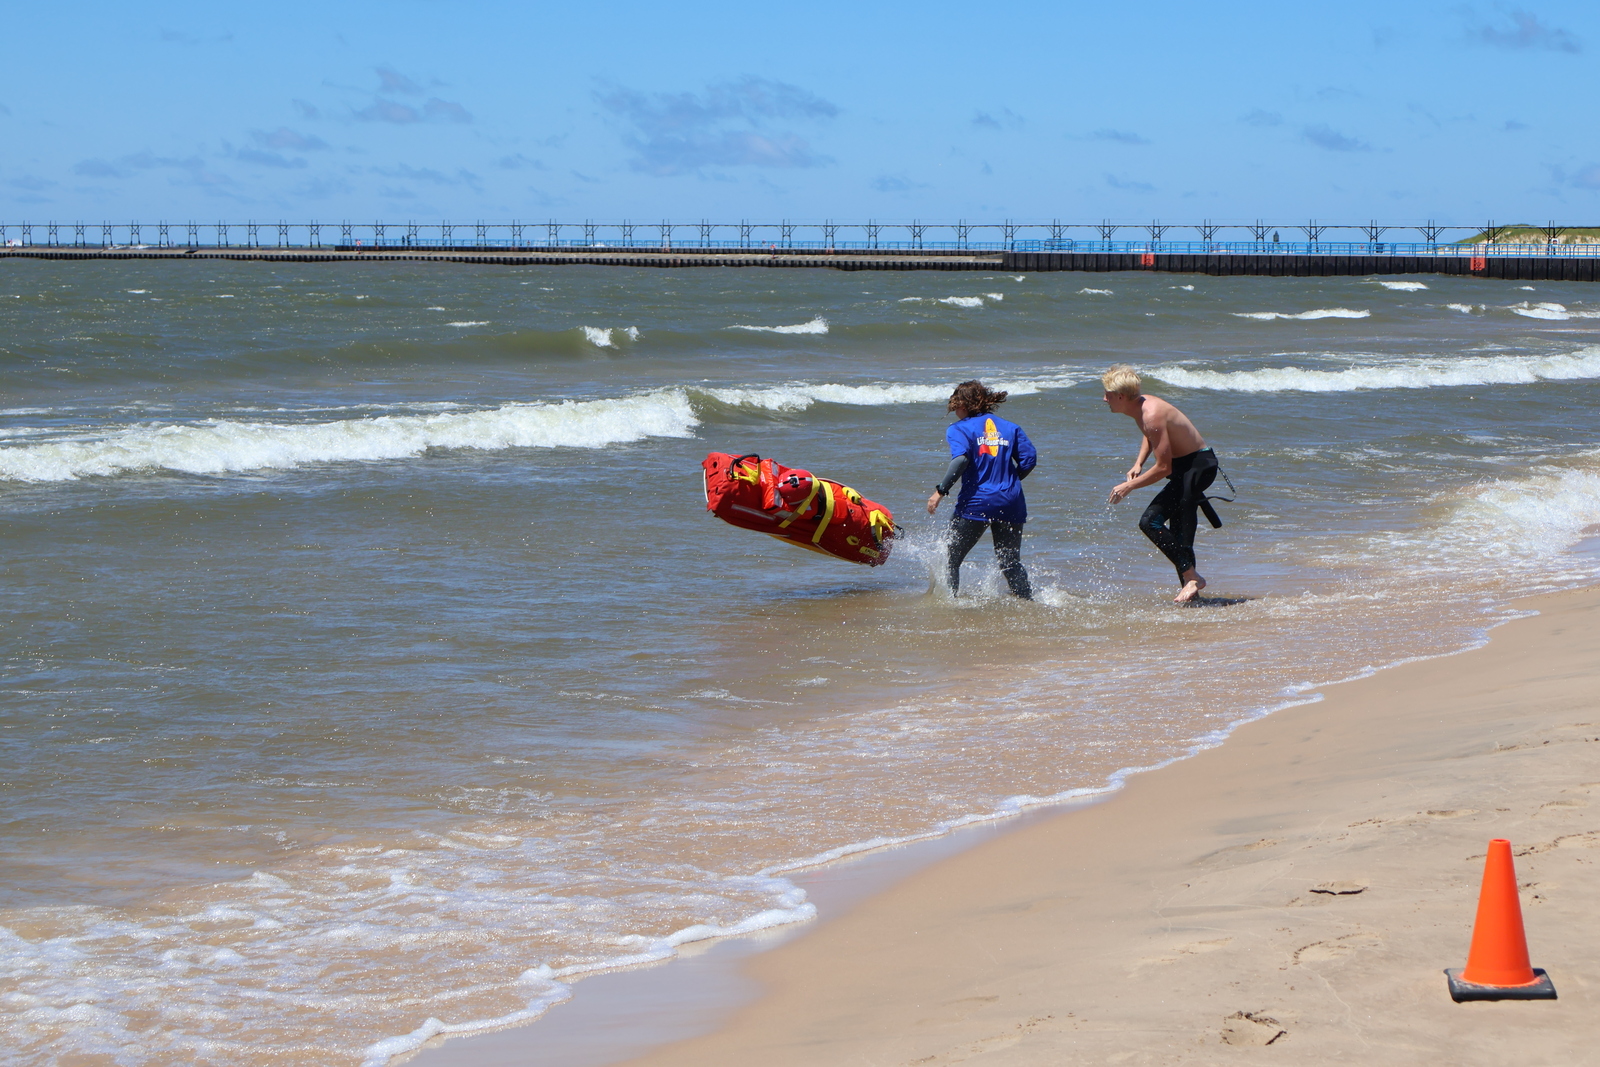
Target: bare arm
{"x": 1158, "y": 443}
{"x": 1138, "y": 464}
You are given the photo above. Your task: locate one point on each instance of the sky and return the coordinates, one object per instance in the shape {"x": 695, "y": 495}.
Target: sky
{"x": 480, "y": 110}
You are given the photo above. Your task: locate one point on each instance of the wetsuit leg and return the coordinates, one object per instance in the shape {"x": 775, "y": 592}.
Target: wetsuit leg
{"x": 1008, "y": 553}
{"x": 1170, "y": 519}
{"x": 959, "y": 539}
{"x": 1153, "y": 523}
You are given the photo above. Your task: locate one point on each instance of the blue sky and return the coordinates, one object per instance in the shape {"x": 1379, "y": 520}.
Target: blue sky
{"x": 1079, "y": 111}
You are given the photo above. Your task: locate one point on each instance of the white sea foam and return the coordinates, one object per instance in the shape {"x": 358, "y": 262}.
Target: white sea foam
{"x": 1315, "y": 313}
{"x": 799, "y": 396}
{"x": 816, "y": 325}
{"x": 1552, "y": 312}
{"x": 1533, "y": 517}
{"x": 1465, "y": 309}
{"x": 1095, "y": 292}
{"x": 1404, "y": 287}
{"x": 138, "y": 290}
{"x": 954, "y": 301}
{"x": 1541, "y": 311}
{"x": 792, "y": 907}
{"x": 472, "y": 323}
{"x": 218, "y": 446}
{"x": 1408, "y": 374}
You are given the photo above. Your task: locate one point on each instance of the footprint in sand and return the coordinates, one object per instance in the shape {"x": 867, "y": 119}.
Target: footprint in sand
{"x": 1251, "y": 1028}
{"x": 1254, "y": 846}
{"x": 1195, "y": 948}
{"x": 1591, "y": 839}
{"x": 986, "y": 1045}
{"x": 1338, "y": 948}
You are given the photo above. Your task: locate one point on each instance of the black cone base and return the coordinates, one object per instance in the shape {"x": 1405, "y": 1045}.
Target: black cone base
{"x": 1541, "y": 989}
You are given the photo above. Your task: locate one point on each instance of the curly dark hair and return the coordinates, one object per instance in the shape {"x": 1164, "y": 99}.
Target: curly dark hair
{"x": 975, "y": 398}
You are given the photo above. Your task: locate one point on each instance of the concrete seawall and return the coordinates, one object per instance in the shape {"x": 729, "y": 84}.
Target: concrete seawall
{"x": 1531, "y": 268}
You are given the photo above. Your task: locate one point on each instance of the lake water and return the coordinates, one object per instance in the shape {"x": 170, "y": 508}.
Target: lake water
{"x": 371, "y": 665}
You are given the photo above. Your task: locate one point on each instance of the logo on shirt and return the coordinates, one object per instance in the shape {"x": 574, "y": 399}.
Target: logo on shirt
{"x": 991, "y": 442}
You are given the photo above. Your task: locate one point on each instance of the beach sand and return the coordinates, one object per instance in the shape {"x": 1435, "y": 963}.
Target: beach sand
{"x": 1180, "y": 921}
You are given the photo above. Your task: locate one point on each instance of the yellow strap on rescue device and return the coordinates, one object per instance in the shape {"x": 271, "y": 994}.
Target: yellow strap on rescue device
{"x": 880, "y": 524}
{"x": 806, "y": 503}
{"x": 827, "y": 512}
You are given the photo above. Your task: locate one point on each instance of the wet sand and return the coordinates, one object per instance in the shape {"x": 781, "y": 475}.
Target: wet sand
{"x": 1181, "y": 922}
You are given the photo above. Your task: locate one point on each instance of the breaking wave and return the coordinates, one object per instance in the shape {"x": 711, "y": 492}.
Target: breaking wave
{"x": 816, "y": 325}
{"x": 601, "y": 336}
{"x": 955, "y": 301}
{"x": 800, "y": 395}
{"x": 1553, "y": 312}
{"x": 228, "y": 445}
{"x": 1404, "y": 287}
{"x": 1524, "y": 523}
{"x": 218, "y": 446}
{"x": 1315, "y": 313}
{"x": 1411, "y": 374}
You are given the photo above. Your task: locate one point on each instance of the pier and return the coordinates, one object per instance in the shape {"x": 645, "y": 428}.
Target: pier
{"x": 1491, "y": 251}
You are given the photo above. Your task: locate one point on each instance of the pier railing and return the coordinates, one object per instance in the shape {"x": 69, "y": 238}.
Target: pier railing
{"x": 1254, "y": 238}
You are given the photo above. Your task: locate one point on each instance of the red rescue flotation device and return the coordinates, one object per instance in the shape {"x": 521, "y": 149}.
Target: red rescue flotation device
{"x": 794, "y": 505}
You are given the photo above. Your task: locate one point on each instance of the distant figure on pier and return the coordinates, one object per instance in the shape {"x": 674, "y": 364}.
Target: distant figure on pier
{"x": 1181, "y": 457}
{"x": 1274, "y": 236}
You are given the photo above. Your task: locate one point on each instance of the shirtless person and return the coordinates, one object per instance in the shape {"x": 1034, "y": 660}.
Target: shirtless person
{"x": 1181, "y": 457}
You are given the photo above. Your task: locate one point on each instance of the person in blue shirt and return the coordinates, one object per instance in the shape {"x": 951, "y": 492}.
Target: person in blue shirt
{"x": 991, "y": 456}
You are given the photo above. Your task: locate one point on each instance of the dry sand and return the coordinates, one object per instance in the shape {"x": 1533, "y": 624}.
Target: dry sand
{"x": 1181, "y": 922}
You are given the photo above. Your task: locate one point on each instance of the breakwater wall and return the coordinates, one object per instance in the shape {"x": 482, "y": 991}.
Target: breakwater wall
{"x": 1476, "y": 263}
{"x": 931, "y": 259}
{"x": 1315, "y": 265}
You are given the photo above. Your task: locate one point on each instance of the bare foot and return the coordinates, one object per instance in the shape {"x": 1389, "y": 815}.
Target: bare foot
{"x": 1190, "y": 590}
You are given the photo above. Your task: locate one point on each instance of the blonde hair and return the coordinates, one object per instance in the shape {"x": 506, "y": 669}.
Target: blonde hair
{"x": 1122, "y": 380}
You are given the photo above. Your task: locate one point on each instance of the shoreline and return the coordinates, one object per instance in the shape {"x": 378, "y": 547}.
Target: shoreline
{"x": 1190, "y": 916}
{"x": 793, "y": 963}
{"x": 631, "y": 1010}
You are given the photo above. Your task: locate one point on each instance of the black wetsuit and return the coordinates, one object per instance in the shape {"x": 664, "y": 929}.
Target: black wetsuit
{"x": 966, "y": 530}
{"x": 964, "y": 534}
{"x": 1170, "y": 520}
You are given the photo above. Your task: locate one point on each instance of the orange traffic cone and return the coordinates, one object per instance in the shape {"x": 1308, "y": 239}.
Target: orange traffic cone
{"x": 1497, "y": 964}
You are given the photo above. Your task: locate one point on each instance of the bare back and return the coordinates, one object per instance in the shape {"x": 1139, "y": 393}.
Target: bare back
{"x": 1157, "y": 417}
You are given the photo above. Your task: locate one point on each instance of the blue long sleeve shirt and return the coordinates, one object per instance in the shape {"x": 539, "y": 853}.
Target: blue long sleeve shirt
{"x": 999, "y": 455}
